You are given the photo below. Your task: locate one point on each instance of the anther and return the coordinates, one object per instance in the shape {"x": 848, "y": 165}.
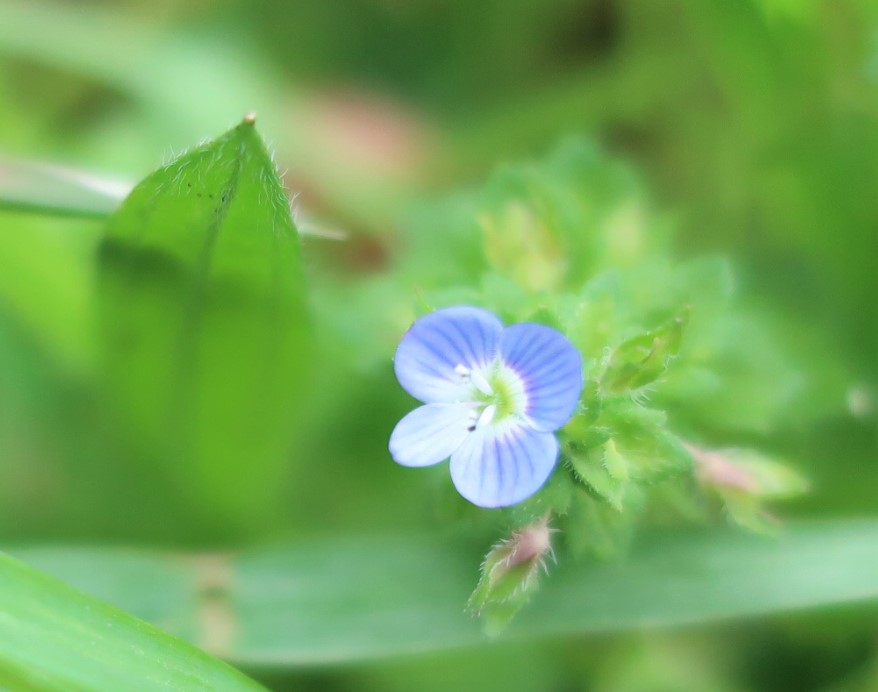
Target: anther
{"x": 482, "y": 384}
{"x": 472, "y": 416}
{"x": 487, "y": 415}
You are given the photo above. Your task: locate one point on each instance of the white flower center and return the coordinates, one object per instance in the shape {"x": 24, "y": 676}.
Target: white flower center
{"x": 497, "y": 392}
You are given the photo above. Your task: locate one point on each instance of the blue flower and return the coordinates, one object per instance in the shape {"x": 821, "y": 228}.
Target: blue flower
{"x": 493, "y": 398}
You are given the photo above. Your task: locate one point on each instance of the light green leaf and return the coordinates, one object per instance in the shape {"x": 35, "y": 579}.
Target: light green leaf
{"x": 594, "y": 526}
{"x": 682, "y": 578}
{"x": 552, "y": 499}
{"x": 206, "y": 342}
{"x": 54, "y": 638}
{"x": 641, "y": 436}
{"x": 373, "y": 597}
{"x": 640, "y": 360}
{"x": 604, "y": 470}
{"x": 615, "y": 463}
{"x": 46, "y": 282}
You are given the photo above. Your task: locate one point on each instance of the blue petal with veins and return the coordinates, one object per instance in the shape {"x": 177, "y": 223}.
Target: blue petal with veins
{"x": 493, "y": 399}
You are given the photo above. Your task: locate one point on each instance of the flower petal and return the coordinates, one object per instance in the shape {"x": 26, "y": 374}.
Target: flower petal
{"x": 551, "y": 369}
{"x": 428, "y": 354}
{"x": 429, "y": 434}
{"x": 499, "y": 465}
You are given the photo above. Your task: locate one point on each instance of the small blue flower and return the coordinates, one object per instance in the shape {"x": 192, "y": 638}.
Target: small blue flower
{"x": 493, "y": 399}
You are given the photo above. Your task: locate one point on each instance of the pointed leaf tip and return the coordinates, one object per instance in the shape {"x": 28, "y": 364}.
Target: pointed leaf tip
{"x": 201, "y": 271}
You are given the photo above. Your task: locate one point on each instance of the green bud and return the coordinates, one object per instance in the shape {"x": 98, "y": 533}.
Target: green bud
{"x": 642, "y": 359}
{"x": 510, "y": 574}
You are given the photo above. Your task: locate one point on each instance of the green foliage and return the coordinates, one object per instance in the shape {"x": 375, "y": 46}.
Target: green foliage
{"x": 745, "y": 481}
{"x": 642, "y": 359}
{"x": 143, "y": 401}
{"x": 54, "y": 637}
{"x": 205, "y": 342}
{"x": 204, "y": 334}
{"x": 366, "y": 597}
{"x": 573, "y": 244}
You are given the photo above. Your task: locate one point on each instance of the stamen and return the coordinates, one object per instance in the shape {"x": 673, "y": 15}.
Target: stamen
{"x": 481, "y": 383}
{"x": 463, "y": 372}
{"x": 472, "y": 417}
{"x": 487, "y": 415}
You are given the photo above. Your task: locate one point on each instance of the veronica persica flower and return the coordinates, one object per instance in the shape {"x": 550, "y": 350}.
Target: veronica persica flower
{"x": 493, "y": 397}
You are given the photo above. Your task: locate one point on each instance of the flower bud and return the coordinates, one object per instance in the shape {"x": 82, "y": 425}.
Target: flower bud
{"x": 510, "y": 574}
{"x": 746, "y": 481}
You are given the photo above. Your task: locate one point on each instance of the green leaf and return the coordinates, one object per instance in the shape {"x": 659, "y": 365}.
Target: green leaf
{"x": 205, "y": 337}
{"x": 358, "y": 598}
{"x": 604, "y": 470}
{"x": 642, "y": 359}
{"x": 592, "y": 318}
{"x": 732, "y": 375}
{"x": 553, "y": 498}
{"x": 653, "y": 453}
{"x": 54, "y": 638}
{"x": 46, "y": 284}
{"x": 596, "y": 528}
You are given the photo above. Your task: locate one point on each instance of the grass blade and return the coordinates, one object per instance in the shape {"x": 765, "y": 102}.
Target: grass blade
{"x": 55, "y": 638}
{"x": 350, "y": 599}
{"x": 55, "y": 190}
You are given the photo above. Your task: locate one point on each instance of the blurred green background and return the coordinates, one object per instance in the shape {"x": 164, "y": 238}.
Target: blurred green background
{"x": 750, "y": 126}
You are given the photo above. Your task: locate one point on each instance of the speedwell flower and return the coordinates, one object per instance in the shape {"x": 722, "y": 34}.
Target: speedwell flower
{"x": 493, "y": 399}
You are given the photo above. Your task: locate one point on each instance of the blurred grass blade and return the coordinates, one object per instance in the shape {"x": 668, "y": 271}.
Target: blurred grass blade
{"x": 56, "y": 190}
{"x": 204, "y": 335}
{"x": 135, "y": 56}
{"x": 367, "y": 598}
{"x": 55, "y": 638}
